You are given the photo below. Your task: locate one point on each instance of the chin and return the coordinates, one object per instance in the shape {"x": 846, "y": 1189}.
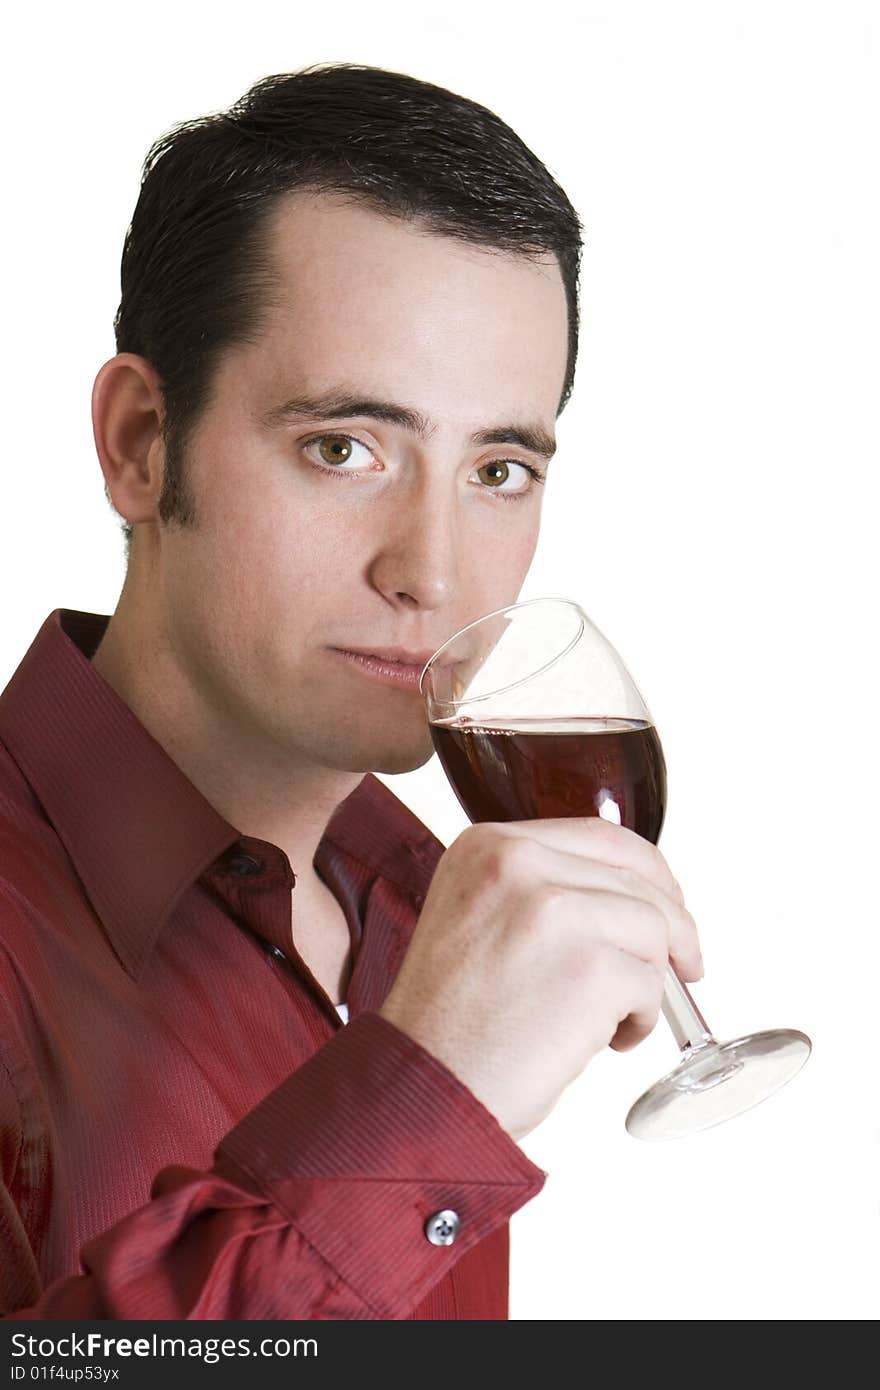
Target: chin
{"x": 383, "y": 754}
{"x": 403, "y": 760}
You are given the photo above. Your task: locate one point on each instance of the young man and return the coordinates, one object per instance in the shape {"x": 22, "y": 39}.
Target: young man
{"x": 348, "y": 324}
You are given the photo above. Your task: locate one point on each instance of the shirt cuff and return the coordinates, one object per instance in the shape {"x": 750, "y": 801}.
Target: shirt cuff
{"x": 366, "y": 1141}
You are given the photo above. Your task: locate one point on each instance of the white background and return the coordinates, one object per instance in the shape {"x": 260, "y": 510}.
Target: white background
{"x": 712, "y": 506}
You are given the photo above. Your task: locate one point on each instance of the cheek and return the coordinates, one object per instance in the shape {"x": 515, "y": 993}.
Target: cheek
{"x": 498, "y": 559}
{"x": 526, "y": 544}
{"x": 276, "y": 570}
{"x": 512, "y": 541}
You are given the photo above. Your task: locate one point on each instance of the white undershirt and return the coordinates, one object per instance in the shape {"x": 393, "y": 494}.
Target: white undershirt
{"x": 342, "y": 1010}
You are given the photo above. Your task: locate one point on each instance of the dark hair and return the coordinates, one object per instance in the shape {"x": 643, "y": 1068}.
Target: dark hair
{"x": 197, "y": 268}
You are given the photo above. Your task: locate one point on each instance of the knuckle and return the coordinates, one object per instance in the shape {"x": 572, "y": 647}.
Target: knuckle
{"x": 482, "y": 846}
{"x": 685, "y": 933}
{"x": 658, "y": 859}
{"x": 596, "y": 825}
{"x": 659, "y": 868}
{"x": 633, "y": 883}
{"x": 614, "y": 833}
{"x": 500, "y": 859}
{"x": 466, "y": 845}
{"x": 662, "y": 871}
{"x": 656, "y": 917}
{"x": 644, "y": 889}
{"x": 519, "y": 858}
{"x": 476, "y": 838}
{"x": 658, "y": 933}
{"x": 644, "y": 1025}
{"x": 546, "y": 896}
{"x": 605, "y": 832}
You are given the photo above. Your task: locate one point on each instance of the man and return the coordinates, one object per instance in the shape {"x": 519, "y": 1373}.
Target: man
{"x": 348, "y": 323}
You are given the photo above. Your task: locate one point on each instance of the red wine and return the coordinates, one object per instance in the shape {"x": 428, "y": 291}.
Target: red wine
{"x": 533, "y": 769}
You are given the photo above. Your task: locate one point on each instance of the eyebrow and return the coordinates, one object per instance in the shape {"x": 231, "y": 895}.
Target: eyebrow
{"x": 340, "y": 404}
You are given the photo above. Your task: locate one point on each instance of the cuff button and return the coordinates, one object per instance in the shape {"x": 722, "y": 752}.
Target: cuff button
{"x": 442, "y": 1227}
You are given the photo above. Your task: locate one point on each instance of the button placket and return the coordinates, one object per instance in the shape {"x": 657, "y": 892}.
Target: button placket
{"x": 256, "y": 914}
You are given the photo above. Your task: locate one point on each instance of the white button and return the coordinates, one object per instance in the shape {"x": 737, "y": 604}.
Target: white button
{"x": 442, "y": 1227}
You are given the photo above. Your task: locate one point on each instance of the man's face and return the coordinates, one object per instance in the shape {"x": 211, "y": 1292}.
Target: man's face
{"x": 315, "y": 536}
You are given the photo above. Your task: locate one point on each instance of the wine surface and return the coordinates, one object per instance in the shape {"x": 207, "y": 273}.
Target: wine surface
{"x": 532, "y": 769}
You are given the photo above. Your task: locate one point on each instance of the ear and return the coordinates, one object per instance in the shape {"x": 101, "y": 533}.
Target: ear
{"x": 127, "y": 416}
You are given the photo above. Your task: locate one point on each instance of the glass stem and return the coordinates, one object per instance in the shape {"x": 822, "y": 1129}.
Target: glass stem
{"x": 689, "y": 1028}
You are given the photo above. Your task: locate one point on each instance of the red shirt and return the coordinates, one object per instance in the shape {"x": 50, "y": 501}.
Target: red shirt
{"x": 187, "y": 1129}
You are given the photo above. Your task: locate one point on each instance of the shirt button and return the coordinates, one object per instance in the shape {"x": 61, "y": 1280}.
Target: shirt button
{"x": 277, "y": 951}
{"x": 442, "y": 1227}
{"x": 242, "y": 865}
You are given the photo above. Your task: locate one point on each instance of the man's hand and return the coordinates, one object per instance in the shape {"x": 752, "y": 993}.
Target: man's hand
{"x": 540, "y": 943}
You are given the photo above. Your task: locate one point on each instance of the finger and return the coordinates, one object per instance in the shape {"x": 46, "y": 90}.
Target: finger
{"x": 598, "y": 876}
{"x": 602, "y": 923}
{"x": 641, "y": 997}
{"x": 631, "y": 1032}
{"x": 597, "y": 838}
{"x": 682, "y": 946}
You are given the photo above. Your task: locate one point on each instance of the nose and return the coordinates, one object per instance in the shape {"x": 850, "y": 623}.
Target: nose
{"x": 416, "y": 563}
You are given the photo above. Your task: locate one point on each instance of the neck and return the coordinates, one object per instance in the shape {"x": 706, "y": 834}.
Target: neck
{"x": 263, "y": 790}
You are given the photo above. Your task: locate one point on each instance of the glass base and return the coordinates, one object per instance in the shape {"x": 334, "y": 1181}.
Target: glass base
{"x": 717, "y": 1081}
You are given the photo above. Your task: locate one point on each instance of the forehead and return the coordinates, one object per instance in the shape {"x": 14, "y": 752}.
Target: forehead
{"x": 335, "y": 229}
{"x": 361, "y": 294}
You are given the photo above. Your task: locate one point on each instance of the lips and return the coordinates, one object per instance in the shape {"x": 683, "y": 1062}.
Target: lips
{"x": 396, "y": 655}
{"x": 389, "y": 670}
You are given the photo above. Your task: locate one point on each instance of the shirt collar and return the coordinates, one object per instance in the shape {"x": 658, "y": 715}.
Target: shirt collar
{"x": 138, "y": 832}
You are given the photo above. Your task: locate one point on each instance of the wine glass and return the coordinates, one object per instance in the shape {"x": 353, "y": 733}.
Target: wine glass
{"x": 534, "y": 715}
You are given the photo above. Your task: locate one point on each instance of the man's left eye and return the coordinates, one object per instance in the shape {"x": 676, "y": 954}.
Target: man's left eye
{"x": 499, "y": 472}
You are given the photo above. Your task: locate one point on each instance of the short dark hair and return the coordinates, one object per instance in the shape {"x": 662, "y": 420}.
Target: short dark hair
{"x": 197, "y": 268}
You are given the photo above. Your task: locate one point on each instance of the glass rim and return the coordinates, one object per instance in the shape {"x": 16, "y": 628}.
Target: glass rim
{"x": 502, "y": 690}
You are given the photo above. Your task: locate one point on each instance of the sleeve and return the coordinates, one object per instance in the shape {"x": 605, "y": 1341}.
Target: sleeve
{"x": 316, "y": 1203}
